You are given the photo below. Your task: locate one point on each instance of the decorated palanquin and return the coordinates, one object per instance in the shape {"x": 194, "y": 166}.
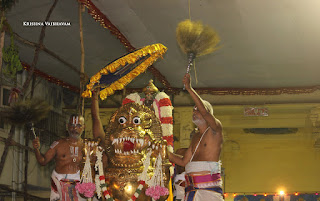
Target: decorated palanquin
{"x": 136, "y": 142}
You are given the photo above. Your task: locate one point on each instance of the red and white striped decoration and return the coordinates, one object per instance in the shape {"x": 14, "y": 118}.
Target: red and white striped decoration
{"x": 133, "y": 98}
{"x": 163, "y": 110}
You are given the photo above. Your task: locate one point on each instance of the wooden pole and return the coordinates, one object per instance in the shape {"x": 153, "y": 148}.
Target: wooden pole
{"x": 26, "y": 162}
{"x": 82, "y": 77}
{"x": 6, "y": 148}
{"x": 1, "y": 41}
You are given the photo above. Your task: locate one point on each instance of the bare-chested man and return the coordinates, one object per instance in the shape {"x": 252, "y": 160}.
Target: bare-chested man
{"x": 68, "y": 155}
{"x": 201, "y": 160}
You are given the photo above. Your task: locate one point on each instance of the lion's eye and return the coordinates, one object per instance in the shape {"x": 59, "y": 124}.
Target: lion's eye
{"x": 136, "y": 120}
{"x": 122, "y": 120}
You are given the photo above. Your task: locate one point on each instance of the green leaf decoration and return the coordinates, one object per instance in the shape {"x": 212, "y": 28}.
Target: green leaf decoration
{"x": 10, "y": 56}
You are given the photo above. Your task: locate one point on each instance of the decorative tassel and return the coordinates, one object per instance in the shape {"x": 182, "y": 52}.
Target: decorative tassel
{"x": 146, "y": 163}
{"x": 99, "y": 168}
{"x": 156, "y": 183}
{"x": 86, "y": 186}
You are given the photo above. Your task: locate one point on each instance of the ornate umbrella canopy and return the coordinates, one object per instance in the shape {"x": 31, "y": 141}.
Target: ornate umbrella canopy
{"x": 117, "y": 74}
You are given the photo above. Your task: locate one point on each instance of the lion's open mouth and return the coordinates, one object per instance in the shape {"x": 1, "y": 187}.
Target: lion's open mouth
{"x": 128, "y": 145}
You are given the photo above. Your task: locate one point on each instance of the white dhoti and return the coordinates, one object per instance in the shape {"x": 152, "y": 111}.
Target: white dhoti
{"x": 179, "y": 183}
{"x": 63, "y": 187}
{"x": 203, "y": 186}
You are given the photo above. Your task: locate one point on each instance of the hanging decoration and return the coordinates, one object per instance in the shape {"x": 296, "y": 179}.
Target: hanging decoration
{"x": 12, "y": 60}
{"x": 163, "y": 110}
{"x": 117, "y": 74}
{"x": 86, "y": 187}
{"x": 99, "y": 178}
{"x": 156, "y": 185}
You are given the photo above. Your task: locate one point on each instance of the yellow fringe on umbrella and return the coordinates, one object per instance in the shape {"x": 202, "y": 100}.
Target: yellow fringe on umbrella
{"x": 155, "y": 51}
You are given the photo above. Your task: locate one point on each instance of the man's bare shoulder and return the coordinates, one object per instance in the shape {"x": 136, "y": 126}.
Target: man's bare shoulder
{"x": 58, "y": 143}
{"x": 63, "y": 141}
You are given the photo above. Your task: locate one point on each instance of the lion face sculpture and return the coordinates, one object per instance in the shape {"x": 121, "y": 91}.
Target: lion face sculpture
{"x": 133, "y": 131}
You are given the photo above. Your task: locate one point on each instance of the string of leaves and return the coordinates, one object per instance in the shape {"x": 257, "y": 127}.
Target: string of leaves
{"x": 10, "y": 56}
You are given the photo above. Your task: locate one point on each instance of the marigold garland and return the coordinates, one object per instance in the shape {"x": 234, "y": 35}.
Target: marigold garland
{"x": 155, "y": 51}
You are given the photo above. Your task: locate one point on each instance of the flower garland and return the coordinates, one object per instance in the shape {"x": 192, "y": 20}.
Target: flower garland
{"x": 156, "y": 184}
{"x": 98, "y": 168}
{"x": 85, "y": 186}
{"x": 87, "y": 189}
{"x": 134, "y": 97}
{"x": 155, "y": 51}
{"x": 163, "y": 110}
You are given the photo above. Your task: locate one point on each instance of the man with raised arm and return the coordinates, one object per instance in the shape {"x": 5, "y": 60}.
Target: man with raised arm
{"x": 201, "y": 160}
{"x": 67, "y": 153}
{"x": 97, "y": 128}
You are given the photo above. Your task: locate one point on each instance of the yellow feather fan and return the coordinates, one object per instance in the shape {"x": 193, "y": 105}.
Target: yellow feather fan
{"x": 196, "y": 39}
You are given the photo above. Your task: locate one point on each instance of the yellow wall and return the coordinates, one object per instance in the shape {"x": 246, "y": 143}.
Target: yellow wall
{"x": 105, "y": 114}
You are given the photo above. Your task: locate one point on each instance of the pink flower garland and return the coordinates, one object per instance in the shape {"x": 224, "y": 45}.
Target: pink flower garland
{"x": 156, "y": 191}
{"x": 87, "y": 189}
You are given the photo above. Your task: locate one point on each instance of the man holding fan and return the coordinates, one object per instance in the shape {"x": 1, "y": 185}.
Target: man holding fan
{"x": 201, "y": 160}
